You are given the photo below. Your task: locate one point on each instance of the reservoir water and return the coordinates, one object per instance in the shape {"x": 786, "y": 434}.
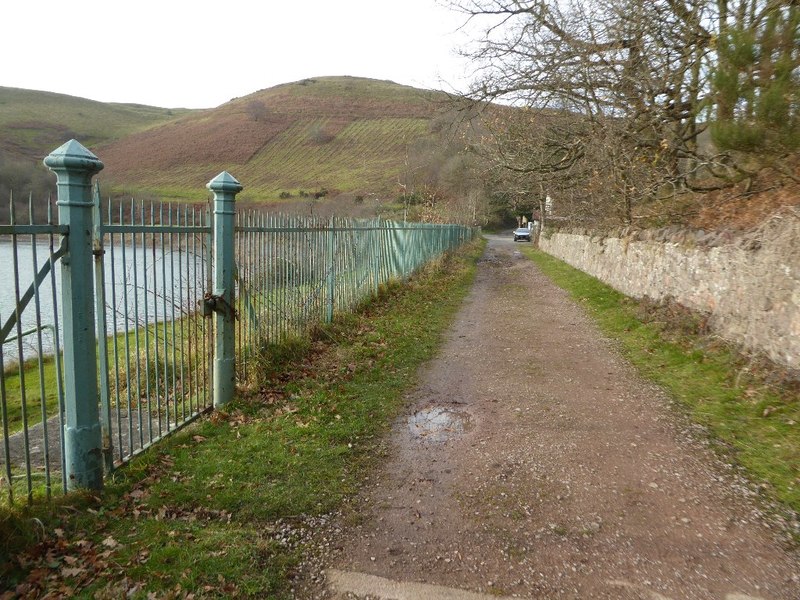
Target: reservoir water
{"x": 142, "y": 284}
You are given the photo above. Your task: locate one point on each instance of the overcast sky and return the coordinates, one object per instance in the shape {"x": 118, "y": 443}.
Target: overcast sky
{"x": 200, "y": 54}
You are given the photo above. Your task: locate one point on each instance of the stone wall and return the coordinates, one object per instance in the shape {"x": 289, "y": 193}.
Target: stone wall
{"x": 749, "y": 285}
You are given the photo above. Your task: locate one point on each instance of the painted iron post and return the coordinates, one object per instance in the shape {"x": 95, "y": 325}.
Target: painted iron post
{"x": 74, "y": 167}
{"x": 225, "y": 187}
{"x": 331, "y": 270}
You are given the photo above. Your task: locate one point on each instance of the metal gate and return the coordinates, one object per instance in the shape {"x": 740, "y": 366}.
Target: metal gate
{"x": 155, "y": 351}
{"x": 31, "y": 390}
{"x": 106, "y": 350}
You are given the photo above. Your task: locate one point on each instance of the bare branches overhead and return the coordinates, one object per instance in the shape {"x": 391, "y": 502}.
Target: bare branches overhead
{"x": 640, "y": 75}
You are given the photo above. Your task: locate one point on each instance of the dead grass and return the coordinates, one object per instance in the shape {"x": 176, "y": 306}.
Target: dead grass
{"x": 749, "y": 204}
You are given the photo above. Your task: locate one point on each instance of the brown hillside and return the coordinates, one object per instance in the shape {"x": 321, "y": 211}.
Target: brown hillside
{"x": 215, "y": 134}
{"x": 181, "y": 153}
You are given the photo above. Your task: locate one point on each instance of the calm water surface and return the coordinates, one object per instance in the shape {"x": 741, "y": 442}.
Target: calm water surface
{"x": 158, "y": 285}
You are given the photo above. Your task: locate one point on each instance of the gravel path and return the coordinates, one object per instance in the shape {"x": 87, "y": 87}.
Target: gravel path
{"x": 533, "y": 462}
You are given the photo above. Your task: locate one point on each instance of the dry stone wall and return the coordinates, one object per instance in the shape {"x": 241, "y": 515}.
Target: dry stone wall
{"x": 748, "y": 285}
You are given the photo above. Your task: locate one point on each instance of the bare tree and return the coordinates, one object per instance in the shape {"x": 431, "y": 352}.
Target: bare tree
{"x": 619, "y": 92}
{"x": 440, "y": 182}
{"x": 257, "y": 110}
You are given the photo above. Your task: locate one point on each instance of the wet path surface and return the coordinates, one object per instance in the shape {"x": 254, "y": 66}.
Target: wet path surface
{"x": 534, "y": 463}
{"x": 438, "y": 424}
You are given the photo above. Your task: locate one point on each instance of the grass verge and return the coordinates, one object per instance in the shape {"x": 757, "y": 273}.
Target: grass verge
{"x": 220, "y": 510}
{"x": 750, "y": 408}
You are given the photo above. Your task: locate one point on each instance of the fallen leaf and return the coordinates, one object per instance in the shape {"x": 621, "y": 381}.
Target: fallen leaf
{"x": 110, "y": 542}
{"x": 72, "y": 571}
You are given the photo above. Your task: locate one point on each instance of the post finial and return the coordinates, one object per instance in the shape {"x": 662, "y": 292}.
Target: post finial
{"x": 225, "y": 182}
{"x": 73, "y": 156}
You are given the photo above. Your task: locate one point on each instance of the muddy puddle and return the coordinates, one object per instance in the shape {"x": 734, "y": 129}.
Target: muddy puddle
{"x": 438, "y": 424}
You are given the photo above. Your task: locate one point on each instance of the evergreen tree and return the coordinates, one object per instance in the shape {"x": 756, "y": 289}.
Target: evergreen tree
{"x": 757, "y": 81}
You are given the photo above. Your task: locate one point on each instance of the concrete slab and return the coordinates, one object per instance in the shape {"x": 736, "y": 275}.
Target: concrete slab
{"x": 342, "y": 582}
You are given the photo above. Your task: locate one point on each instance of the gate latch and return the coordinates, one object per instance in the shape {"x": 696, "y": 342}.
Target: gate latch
{"x": 212, "y": 303}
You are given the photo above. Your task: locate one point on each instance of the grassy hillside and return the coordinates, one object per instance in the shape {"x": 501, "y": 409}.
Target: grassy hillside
{"x": 342, "y": 134}
{"x": 33, "y": 123}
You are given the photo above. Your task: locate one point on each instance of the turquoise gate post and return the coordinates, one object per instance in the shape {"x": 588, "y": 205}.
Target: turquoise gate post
{"x": 225, "y": 187}
{"x": 74, "y": 167}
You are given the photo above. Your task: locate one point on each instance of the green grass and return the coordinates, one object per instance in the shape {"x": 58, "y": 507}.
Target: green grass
{"x": 34, "y": 376}
{"x": 200, "y": 512}
{"x": 752, "y": 421}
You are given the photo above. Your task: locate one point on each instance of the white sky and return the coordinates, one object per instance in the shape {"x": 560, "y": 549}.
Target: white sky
{"x": 200, "y": 54}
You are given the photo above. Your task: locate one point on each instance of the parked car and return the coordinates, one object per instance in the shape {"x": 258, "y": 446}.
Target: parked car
{"x": 523, "y": 233}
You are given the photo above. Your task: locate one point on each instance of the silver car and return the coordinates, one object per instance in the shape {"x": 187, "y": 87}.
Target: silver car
{"x": 523, "y": 233}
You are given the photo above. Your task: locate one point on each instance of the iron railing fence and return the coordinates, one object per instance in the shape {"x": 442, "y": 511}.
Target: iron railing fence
{"x": 31, "y": 384}
{"x": 152, "y": 270}
{"x": 294, "y": 273}
{"x": 129, "y": 321}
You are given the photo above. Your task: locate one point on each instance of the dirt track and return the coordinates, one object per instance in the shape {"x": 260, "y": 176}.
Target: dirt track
{"x": 534, "y": 463}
